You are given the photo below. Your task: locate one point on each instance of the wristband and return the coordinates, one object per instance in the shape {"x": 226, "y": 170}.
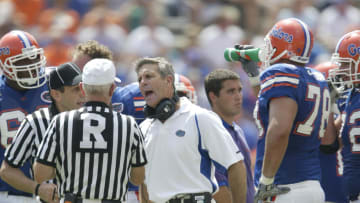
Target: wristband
{"x": 37, "y": 189}
{"x": 265, "y": 180}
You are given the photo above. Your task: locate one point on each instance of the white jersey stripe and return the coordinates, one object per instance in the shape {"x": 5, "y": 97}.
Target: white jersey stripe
{"x": 279, "y": 79}
{"x": 94, "y": 175}
{"x": 86, "y": 175}
{"x": 103, "y": 174}
{"x": 139, "y": 103}
{"x": 77, "y": 171}
{"x": 62, "y": 154}
{"x": 69, "y": 149}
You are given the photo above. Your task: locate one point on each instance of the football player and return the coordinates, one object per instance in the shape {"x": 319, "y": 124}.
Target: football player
{"x": 22, "y": 91}
{"x": 330, "y": 155}
{"x": 347, "y": 57}
{"x": 291, "y": 112}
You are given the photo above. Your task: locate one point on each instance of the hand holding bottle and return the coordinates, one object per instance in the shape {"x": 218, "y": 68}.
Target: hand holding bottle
{"x": 248, "y": 56}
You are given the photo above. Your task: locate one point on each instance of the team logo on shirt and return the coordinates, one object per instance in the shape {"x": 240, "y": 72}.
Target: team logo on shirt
{"x": 118, "y": 107}
{"x": 180, "y": 133}
{"x": 45, "y": 96}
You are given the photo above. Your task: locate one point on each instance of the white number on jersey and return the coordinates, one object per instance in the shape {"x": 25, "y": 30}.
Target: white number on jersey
{"x": 8, "y": 133}
{"x": 340, "y": 163}
{"x": 88, "y": 130}
{"x": 326, "y": 110}
{"x": 313, "y": 93}
{"x": 354, "y": 133}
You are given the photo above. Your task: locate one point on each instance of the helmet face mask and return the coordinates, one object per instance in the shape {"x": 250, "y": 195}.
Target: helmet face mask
{"x": 289, "y": 39}
{"x": 268, "y": 52}
{"x": 22, "y": 61}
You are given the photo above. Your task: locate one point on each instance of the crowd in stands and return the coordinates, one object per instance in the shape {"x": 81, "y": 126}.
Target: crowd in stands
{"x": 192, "y": 34}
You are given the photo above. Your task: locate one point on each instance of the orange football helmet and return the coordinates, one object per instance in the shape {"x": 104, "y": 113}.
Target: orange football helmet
{"x": 184, "y": 87}
{"x": 347, "y": 58}
{"x": 325, "y": 68}
{"x": 22, "y": 60}
{"x": 289, "y": 39}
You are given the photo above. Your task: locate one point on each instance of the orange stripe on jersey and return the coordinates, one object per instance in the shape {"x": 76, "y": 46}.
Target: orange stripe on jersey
{"x": 139, "y": 109}
{"x": 280, "y": 74}
{"x": 139, "y": 98}
{"x": 277, "y": 85}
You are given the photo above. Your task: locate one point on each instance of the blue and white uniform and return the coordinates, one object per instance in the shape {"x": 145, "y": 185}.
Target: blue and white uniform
{"x": 15, "y": 105}
{"x": 129, "y": 100}
{"x": 308, "y": 88}
{"x": 332, "y": 168}
{"x": 350, "y": 136}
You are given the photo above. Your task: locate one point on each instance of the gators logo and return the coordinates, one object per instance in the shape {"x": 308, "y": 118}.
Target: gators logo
{"x": 353, "y": 50}
{"x": 45, "y": 96}
{"x": 118, "y": 107}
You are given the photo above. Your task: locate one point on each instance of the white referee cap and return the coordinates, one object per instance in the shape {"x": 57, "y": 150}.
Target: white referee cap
{"x": 99, "y": 71}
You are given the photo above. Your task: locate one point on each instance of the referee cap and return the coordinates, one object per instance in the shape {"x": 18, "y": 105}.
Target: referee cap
{"x": 99, "y": 71}
{"x": 67, "y": 74}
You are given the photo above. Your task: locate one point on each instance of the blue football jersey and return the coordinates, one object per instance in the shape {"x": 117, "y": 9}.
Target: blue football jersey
{"x": 331, "y": 177}
{"x": 129, "y": 100}
{"x": 350, "y": 136}
{"x": 332, "y": 168}
{"x": 309, "y": 89}
{"x": 15, "y": 105}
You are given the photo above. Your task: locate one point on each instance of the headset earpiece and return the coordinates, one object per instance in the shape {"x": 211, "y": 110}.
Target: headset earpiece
{"x": 163, "y": 110}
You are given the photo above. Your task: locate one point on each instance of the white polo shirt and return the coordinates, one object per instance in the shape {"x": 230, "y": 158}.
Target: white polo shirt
{"x": 181, "y": 157}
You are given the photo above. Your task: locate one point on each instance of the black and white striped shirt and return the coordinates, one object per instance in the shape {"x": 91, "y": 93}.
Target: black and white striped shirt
{"x": 29, "y": 136}
{"x": 93, "y": 150}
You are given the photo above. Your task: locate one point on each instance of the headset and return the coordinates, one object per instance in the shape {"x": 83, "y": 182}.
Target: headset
{"x": 163, "y": 110}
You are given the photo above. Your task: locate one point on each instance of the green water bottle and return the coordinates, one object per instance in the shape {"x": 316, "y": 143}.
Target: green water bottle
{"x": 232, "y": 54}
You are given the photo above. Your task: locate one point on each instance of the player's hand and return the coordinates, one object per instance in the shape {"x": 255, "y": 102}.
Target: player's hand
{"x": 334, "y": 96}
{"x": 250, "y": 67}
{"x": 48, "y": 192}
{"x": 266, "y": 191}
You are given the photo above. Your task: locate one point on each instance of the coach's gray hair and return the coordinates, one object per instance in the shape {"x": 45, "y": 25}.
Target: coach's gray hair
{"x": 101, "y": 90}
{"x": 164, "y": 67}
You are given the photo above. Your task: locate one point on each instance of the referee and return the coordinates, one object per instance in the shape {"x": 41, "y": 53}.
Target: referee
{"x": 93, "y": 151}
{"x": 65, "y": 94}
